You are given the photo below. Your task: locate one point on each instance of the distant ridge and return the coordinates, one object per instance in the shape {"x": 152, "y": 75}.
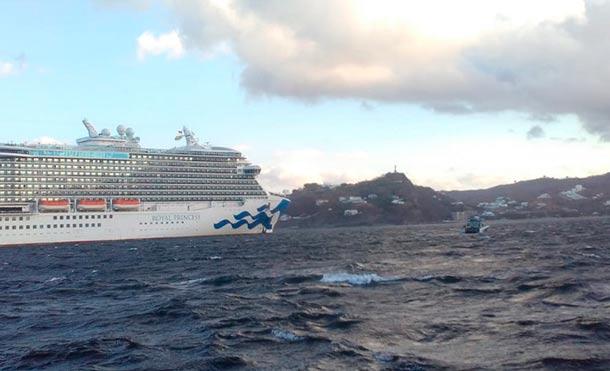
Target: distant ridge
{"x": 547, "y": 196}
{"x": 389, "y": 199}
{"x": 393, "y": 199}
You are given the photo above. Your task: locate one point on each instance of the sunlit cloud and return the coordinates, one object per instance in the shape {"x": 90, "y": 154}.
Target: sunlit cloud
{"x": 7, "y": 68}
{"x": 13, "y": 67}
{"x": 465, "y": 164}
{"x": 540, "y": 58}
{"x": 168, "y": 44}
{"x": 291, "y": 169}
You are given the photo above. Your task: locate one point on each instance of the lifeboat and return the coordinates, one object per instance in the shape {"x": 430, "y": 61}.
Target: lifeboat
{"x": 54, "y": 206}
{"x": 126, "y": 204}
{"x": 91, "y": 205}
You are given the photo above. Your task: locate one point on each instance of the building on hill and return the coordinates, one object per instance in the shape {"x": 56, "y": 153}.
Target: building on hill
{"x": 352, "y": 200}
{"x": 397, "y": 200}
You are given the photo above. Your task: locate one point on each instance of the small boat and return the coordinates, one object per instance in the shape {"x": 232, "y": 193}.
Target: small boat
{"x": 126, "y": 204}
{"x": 53, "y": 206}
{"x": 475, "y": 225}
{"x": 91, "y": 205}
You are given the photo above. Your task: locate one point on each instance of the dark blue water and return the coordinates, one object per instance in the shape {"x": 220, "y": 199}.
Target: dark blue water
{"x": 525, "y": 295}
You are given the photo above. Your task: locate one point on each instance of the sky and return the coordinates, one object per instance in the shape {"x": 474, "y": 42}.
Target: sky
{"x": 458, "y": 95}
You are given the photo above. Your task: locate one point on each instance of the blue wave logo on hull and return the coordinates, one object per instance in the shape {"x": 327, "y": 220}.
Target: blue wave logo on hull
{"x": 262, "y": 218}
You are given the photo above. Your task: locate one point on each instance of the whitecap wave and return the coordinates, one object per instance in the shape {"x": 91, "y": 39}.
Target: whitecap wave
{"x": 182, "y": 285}
{"x": 286, "y": 335}
{"x": 384, "y": 357}
{"x": 354, "y": 279}
{"x": 55, "y": 279}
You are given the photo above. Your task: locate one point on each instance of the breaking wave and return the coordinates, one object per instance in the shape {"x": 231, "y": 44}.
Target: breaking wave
{"x": 354, "y": 279}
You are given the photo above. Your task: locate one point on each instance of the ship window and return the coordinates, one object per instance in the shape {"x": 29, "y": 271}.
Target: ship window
{"x": 61, "y": 226}
{"x": 80, "y": 217}
{"x": 14, "y": 227}
{"x": 48, "y": 225}
{"x": 54, "y": 225}
{"x": 105, "y": 216}
{"x": 80, "y": 225}
{"x": 61, "y": 217}
{"x": 99, "y": 224}
{"x": 20, "y": 227}
{"x": 35, "y": 227}
{"x": 55, "y": 218}
{"x": 87, "y": 225}
{"x": 73, "y": 225}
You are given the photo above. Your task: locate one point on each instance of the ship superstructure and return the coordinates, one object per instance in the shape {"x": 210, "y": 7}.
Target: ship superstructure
{"x": 108, "y": 187}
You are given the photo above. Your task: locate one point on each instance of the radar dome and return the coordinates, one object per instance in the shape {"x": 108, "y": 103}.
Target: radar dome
{"x": 129, "y": 132}
{"x": 105, "y": 133}
{"x": 121, "y": 130}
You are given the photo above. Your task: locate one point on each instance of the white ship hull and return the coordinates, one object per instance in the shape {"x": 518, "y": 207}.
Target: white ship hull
{"x": 153, "y": 221}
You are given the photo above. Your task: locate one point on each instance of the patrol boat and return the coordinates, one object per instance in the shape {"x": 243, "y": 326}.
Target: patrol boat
{"x": 475, "y": 225}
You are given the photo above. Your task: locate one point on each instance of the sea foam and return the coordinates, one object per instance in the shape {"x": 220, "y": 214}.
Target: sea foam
{"x": 354, "y": 279}
{"x": 285, "y": 335}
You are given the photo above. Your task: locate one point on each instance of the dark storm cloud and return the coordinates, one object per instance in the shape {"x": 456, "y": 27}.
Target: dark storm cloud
{"x": 536, "y": 132}
{"x": 314, "y": 49}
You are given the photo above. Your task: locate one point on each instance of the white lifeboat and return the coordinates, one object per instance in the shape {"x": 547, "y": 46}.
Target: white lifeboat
{"x": 91, "y": 205}
{"x": 54, "y": 206}
{"x": 126, "y": 204}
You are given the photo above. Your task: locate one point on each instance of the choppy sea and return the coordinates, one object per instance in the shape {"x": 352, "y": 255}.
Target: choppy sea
{"x": 526, "y": 295}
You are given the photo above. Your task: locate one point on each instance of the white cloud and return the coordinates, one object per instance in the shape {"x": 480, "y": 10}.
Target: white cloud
{"x": 7, "y": 68}
{"x": 168, "y": 44}
{"x": 14, "y": 67}
{"x": 466, "y": 163}
{"x": 135, "y": 4}
{"x": 541, "y": 58}
{"x": 291, "y": 169}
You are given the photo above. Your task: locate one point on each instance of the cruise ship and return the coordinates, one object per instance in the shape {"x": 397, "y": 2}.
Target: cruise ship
{"x": 107, "y": 187}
